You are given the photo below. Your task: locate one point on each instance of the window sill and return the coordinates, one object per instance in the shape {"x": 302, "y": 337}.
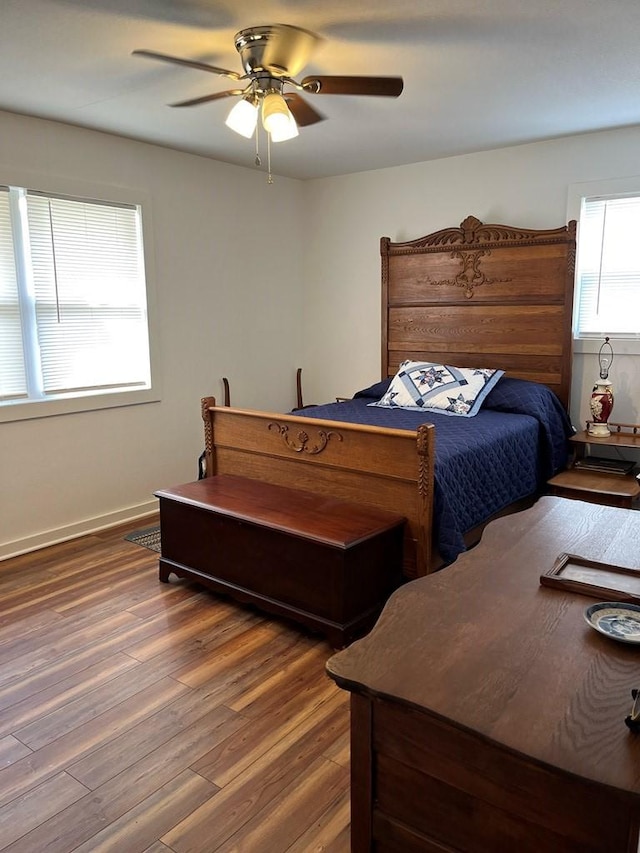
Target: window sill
{"x": 24, "y": 411}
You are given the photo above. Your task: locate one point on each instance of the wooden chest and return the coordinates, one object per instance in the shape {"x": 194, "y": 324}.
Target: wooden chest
{"x": 326, "y": 563}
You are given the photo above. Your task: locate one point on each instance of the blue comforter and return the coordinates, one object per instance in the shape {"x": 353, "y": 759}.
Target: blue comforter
{"x": 503, "y": 454}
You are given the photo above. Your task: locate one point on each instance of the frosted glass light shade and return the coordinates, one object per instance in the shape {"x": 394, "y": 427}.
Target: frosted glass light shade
{"x": 243, "y": 118}
{"x": 277, "y": 119}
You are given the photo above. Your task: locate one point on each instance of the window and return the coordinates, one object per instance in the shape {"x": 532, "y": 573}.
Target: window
{"x": 73, "y": 298}
{"x": 608, "y": 280}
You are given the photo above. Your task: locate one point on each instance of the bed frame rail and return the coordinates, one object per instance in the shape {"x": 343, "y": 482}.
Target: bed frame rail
{"x": 388, "y": 469}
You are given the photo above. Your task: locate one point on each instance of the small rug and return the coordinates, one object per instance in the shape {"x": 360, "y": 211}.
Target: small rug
{"x": 148, "y": 538}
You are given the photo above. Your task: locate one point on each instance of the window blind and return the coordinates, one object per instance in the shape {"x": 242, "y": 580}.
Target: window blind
{"x": 13, "y": 381}
{"x": 90, "y": 294}
{"x": 608, "y": 299}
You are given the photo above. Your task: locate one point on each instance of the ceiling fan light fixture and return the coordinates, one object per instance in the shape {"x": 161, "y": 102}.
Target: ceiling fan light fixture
{"x": 272, "y": 55}
{"x": 284, "y": 129}
{"x": 277, "y": 119}
{"x": 243, "y": 118}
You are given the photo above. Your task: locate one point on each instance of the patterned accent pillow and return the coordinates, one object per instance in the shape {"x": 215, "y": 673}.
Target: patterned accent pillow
{"x": 439, "y": 388}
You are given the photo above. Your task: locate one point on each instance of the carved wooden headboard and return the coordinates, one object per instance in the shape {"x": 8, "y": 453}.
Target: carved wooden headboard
{"x": 482, "y": 296}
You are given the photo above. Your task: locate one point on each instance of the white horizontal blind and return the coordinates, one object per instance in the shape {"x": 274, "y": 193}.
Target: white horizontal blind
{"x": 13, "y": 383}
{"x": 608, "y": 299}
{"x": 89, "y": 283}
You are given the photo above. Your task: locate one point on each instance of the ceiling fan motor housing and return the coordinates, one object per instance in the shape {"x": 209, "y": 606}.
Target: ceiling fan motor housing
{"x": 279, "y": 49}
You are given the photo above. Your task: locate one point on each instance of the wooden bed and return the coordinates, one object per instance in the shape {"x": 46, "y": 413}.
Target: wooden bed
{"x": 491, "y": 296}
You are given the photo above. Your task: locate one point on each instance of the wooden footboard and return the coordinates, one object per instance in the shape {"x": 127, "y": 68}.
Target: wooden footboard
{"x": 384, "y": 468}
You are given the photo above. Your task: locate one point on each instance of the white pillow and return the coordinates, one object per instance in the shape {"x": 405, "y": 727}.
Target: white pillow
{"x": 439, "y": 388}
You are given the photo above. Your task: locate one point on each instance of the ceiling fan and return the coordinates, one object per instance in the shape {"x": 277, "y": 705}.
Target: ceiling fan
{"x": 272, "y": 56}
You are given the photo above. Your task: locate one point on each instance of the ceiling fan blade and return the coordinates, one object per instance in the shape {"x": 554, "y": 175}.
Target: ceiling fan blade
{"x": 192, "y": 102}
{"x": 302, "y": 111}
{"x": 189, "y": 63}
{"x": 389, "y": 87}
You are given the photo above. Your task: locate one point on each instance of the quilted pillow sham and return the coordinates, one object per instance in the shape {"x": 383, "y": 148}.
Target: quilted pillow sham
{"x": 441, "y": 388}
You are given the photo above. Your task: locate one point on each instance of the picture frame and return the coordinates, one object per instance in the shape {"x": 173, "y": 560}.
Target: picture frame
{"x": 595, "y": 579}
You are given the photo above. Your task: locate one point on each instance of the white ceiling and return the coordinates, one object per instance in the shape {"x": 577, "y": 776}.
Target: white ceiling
{"x": 479, "y": 74}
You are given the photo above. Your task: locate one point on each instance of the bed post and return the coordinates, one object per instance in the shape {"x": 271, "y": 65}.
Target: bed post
{"x": 426, "y": 447}
{"x": 384, "y": 255}
{"x": 206, "y": 405}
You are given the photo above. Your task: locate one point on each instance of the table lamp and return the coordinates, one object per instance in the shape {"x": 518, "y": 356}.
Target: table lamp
{"x": 601, "y": 402}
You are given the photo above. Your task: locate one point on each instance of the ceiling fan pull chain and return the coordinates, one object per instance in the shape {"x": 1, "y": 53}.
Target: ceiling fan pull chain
{"x": 258, "y": 161}
{"x": 270, "y": 176}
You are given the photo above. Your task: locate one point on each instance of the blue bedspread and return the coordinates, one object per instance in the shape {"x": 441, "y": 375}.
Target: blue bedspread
{"x": 503, "y": 454}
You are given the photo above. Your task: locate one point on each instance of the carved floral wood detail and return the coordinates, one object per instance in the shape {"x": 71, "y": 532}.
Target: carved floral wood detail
{"x": 300, "y": 442}
{"x": 205, "y": 404}
{"x": 470, "y": 276}
{"x": 474, "y": 232}
{"x": 424, "y": 472}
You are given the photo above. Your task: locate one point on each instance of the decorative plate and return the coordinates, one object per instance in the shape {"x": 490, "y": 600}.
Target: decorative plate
{"x": 619, "y": 621}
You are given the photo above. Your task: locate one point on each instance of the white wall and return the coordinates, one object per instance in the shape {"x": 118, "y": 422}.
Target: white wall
{"x": 228, "y": 262}
{"x": 526, "y": 185}
{"x": 252, "y": 281}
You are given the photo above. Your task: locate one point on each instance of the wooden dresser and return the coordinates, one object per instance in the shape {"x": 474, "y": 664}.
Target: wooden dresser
{"x": 487, "y": 716}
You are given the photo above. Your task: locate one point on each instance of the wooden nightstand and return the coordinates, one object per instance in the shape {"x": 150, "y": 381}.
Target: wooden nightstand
{"x": 599, "y": 487}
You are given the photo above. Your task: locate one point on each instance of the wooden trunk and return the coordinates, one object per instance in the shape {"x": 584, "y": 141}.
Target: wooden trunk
{"x": 325, "y": 563}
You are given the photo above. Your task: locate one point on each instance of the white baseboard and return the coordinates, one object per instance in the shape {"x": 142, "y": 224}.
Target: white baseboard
{"x": 73, "y": 531}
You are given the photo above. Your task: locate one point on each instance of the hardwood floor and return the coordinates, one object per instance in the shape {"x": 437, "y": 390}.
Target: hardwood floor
{"x": 141, "y": 716}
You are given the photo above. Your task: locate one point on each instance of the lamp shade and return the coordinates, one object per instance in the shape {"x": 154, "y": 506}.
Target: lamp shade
{"x": 243, "y": 118}
{"x": 277, "y": 119}
{"x": 601, "y": 402}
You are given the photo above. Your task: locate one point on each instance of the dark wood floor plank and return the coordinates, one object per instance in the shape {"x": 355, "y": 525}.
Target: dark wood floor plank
{"x": 124, "y": 792}
{"x": 11, "y": 750}
{"x": 330, "y": 833}
{"x": 151, "y": 711}
{"x": 17, "y": 629}
{"x": 35, "y": 564}
{"x": 308, "y": 687}
{"x": 283, "y": 766}
{"x": 256, "y": 702}
{"x": 171, "y": 721}
{"x": 230, "y": 683}
{"x": 340, "y": 750}
{"x": 125, "y": 594}
{"x": 38, "y": 804}
{"x": 83, "y": 654}
{"x": 64, "y": 634}
{"x": 34, "y": 654}
{"x": 52, "y": 591}
{"x": 162, "y": 733}
{"x": 70, "y": 747}
{"x": 85, "y": 708}
{"x": 70, "y": 664}
{"x": 258, "y": 737}
{"x": 182, "y": 630}
{"x": 196, "y": 646}
{"x": 239, "y": 646}
{"x": 340, "y": 844}
{"x": 287, "y": 816}
{"x": 44, "y": 702}
{"x": 141, "y": 825}
{"x": 164, "y": 597}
